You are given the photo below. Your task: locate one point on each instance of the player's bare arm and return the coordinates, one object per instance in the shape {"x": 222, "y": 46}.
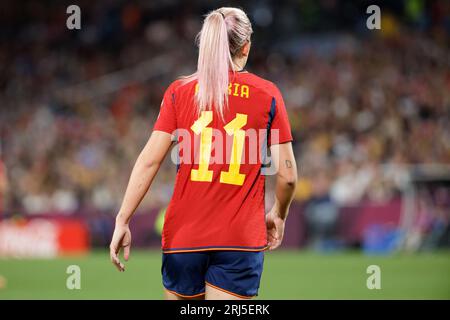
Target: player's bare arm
{"x": 286, "y": 181}
{"x": 142, "y": 175}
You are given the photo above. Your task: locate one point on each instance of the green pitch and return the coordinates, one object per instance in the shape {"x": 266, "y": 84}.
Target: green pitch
{"x": 287, "y": 275}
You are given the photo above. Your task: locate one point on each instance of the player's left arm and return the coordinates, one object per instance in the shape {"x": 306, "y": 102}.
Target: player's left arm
{"x": 142, "y": 175}
{"x": 286, "y": 181}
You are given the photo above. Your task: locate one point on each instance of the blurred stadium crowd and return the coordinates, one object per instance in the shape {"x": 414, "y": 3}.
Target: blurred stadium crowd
{"x": 77, "y": 106}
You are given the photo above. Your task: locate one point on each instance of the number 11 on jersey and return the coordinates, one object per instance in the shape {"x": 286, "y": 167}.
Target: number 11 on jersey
{"x": 234, "y": 128}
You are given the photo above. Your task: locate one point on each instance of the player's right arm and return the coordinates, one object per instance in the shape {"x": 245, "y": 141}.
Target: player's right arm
{"x": 144, "y": 171}
{"x": 142, "y": 175}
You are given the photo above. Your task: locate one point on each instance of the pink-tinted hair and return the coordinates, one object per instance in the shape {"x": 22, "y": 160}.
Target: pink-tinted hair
{"x": 225, "y": 31}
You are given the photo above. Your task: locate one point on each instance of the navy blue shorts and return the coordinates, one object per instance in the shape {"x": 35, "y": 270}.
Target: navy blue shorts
{"x": 235, "y": 272}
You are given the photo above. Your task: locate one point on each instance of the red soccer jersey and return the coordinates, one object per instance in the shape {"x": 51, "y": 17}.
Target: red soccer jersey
{"x": 218, "y": 198}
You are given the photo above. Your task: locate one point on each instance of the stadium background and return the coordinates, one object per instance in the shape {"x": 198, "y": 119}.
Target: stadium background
{"x": 369, "y": 112}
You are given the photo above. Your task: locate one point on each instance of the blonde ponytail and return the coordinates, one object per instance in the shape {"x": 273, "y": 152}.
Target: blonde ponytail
{"x": 214, "y": 63}
{"x": 224, "y": 33}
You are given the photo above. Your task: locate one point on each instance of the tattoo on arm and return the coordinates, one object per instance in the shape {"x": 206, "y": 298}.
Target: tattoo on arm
{"x": 288, "y": 164}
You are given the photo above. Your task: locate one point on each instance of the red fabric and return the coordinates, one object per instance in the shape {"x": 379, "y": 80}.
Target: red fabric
{"x": 73, "y": 237}
{"x": 206, "y": 215}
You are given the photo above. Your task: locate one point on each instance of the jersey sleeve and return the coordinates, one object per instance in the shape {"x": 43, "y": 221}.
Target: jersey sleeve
{"x": 167, "y": 120}
{"x": 280, "y": 129}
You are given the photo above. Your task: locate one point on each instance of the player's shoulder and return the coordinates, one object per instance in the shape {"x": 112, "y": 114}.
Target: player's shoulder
{"x": 180, "y": 83}
{"x": 261, "y": 83}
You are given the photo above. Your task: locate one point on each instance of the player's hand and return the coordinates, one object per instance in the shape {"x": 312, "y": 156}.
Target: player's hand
{"x": 121, "y": 239}
{"x": 275, "y": 229}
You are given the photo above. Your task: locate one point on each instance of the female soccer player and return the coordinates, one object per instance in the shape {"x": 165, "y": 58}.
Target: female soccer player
{"x": 223, "y": 118}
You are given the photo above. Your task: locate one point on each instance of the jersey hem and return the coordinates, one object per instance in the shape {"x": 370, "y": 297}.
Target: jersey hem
{"x": 214, "y": 248}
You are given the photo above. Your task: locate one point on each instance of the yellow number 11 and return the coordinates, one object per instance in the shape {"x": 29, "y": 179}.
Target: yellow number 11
{"x": 234, "y": 128}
